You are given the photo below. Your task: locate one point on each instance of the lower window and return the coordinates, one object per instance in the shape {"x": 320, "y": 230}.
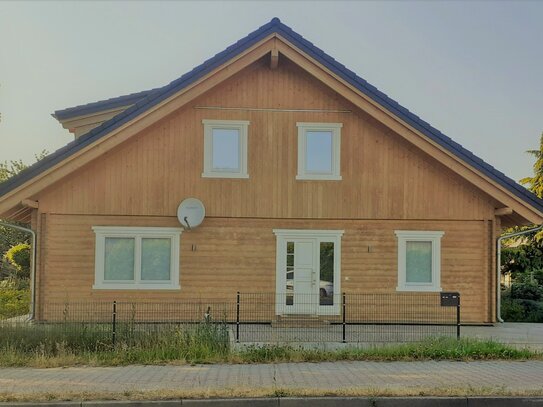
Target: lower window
{"x": 136, "y": 258}
{"x": 419, "y": 260}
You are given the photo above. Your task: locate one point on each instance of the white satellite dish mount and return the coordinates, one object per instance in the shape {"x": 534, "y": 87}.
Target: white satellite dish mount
{"x": 191, "y": 213}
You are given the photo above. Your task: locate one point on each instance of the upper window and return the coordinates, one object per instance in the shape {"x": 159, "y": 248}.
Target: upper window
{"x": 225, "y": 149}
{"x": 319, "y": 151}
{"x": 136, "y": 258}
{"x": 419, "y": 260}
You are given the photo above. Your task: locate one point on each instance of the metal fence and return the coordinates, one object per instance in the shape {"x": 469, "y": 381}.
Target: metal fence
{"x": 254, "y": 318}
{"x": 347, "y": 318}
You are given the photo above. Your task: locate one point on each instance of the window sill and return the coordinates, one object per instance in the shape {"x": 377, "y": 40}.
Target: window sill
{"x": 134, "y": 287}
{"x": 419, "y": 289}
{"x": 225, "y": 175}
{"x": 318, "y": 177}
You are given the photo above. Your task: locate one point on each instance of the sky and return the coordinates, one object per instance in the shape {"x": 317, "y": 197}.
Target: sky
{"x": 472, "y": 69}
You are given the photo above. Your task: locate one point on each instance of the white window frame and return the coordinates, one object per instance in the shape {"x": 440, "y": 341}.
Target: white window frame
{"x": 335, "y": 128}
{"x": 319, "y": 236}
{"x": 405, "y": 236}
{"x": 137, "y": 233}
{"x": 242, "y": 127}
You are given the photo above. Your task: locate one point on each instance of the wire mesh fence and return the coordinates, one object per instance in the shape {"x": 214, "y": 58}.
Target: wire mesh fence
{"x": 347, "y": 318}
{"x": 103, "y": 325}
{"x": 246, "y": 318}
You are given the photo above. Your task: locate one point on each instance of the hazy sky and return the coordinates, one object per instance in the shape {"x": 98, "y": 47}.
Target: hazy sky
{"x": 474, "y": 70}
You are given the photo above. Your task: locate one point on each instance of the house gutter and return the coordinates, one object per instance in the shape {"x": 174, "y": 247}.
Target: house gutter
{"x": 32, "y": 265}
{"x": 499, "y": 266}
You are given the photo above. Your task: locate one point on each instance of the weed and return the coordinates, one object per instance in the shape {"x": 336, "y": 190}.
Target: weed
{"x": 53, "y": 345}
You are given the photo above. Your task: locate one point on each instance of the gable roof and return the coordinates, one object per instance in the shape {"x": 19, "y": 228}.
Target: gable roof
{"x": 144, "y": 101}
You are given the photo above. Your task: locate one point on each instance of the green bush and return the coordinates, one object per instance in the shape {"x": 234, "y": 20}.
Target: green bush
{"x": 19, "y": 257}
{"x": 14, "y": 299}
{"x": 512, "y": 310}
{"x": 6, "y": 268}
{"x": 533, "y": 310}
{"x": 521, "y": 309}
{"x": 526, "y": 288}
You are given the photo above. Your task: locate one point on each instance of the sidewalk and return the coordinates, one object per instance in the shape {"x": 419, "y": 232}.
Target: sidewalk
{"x": 519, "y": 334}
{"x": 504, "y": 376}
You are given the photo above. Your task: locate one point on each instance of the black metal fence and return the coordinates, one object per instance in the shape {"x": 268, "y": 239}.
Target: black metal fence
{"x": 347, "y": 318}
{"x": 253, "y": 318}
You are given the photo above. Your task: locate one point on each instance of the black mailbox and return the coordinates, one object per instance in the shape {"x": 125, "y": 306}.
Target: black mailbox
{"x": 450, "y": 299}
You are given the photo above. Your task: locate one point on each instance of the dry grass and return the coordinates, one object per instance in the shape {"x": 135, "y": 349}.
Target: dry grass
{"x": 176, "y": 353}
{"x": 240, "y": 392}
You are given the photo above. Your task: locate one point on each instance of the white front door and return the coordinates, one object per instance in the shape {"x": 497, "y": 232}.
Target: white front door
{"x": 308, "y": 271}
{"x": 300, "y": 277}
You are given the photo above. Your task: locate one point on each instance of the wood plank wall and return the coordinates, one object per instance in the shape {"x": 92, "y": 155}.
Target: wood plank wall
{"x": 239, "y": 255}
{"x": 383, "y": 176}
{"x": 387, "y": 185}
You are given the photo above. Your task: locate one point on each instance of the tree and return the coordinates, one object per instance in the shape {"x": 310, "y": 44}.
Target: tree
{"x": 535, "y": 183}
{"x": 13, "y": 167}
{"x": 10, "y": 237}
{"x": 523, "y": 260}
{"x": 19, "y": 257}
{"x": 10, "y": 168}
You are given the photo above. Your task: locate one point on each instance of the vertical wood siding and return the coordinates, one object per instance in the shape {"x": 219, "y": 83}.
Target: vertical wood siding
{"x": 387, "y": 184}
{"x": 383, "y": 176}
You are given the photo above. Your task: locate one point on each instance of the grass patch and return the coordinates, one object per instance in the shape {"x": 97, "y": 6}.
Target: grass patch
{"x": 58, "y": 346}
{"x": 431, "y": 349}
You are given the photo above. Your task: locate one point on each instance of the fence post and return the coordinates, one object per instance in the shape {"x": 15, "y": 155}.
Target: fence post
{"x": 344, "y": 308}
{"x": 114, "y": 323}
{"x": 237, "y": 318}
{"x": 458, "y": 318}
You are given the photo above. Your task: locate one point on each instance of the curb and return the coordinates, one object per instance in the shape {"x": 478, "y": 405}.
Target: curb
{"x": 310, "y": 402}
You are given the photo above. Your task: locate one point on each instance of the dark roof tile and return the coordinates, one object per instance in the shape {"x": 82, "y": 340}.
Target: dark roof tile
{"x": 101, "y": 105}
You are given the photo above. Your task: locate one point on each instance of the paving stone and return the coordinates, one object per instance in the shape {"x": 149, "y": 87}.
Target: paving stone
{"x": 421, "y": 402}
{"x": 45, "y": 404}
{"x": 326, "y": 402}
{"x": 128, "y": 403}
{"x": 249, "y": 402}
{"x": 506, "y": 401}
{"x": 328, "y": 376}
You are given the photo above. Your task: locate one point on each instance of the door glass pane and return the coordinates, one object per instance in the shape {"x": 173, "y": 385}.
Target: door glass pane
{"x": 326, "y": 283}
{"x": 318, "y": 152}
{"x": 419, "y": 262}
{"x": 290, "y": 274}
{"x": 119, "y": 259}
{"x": 155, "y": 259}
{"x": 225, "y": 150}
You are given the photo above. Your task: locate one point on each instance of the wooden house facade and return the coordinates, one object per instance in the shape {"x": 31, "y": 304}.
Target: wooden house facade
{"x": 314, "y": 183}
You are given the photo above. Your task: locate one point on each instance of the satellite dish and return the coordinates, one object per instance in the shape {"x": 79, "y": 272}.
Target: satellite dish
{"x": 191, "y": 213}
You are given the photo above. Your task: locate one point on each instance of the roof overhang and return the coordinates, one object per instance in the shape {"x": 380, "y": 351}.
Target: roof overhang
{"x": 79, "y": 125}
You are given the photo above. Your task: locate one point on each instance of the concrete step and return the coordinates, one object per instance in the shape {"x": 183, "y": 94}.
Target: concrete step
{"x": 299, "y": 321}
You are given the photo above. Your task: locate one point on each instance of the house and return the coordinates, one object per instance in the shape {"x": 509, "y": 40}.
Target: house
{"x": 313, "y": 181}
